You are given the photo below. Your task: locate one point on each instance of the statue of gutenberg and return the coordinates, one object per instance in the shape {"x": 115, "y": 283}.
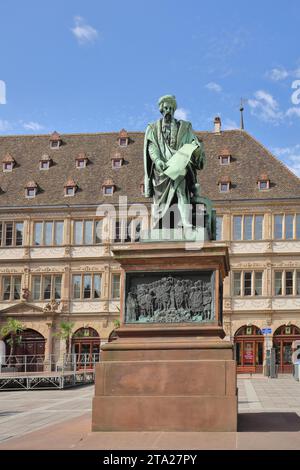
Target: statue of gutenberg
{"x": 172, "y": 156}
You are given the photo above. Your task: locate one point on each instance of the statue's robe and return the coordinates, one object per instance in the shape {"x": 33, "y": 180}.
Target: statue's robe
{"x": 163, "y": 189}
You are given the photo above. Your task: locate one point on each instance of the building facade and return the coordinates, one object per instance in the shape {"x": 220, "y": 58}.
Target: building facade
{"x": 56, "y": 262}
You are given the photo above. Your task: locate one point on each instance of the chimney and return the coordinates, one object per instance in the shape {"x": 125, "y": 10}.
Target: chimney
{"x": 217, "y": 125}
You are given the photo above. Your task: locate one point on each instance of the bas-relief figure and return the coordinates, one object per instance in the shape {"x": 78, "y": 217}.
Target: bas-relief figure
{"x": 170, "y": 300}
{"x": 172, "y": 156}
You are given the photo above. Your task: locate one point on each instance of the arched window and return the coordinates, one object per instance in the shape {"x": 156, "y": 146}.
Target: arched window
{"x": 283, "y": 340}
{"x": 249, "y": 346}
{"x": 86, "y": 347}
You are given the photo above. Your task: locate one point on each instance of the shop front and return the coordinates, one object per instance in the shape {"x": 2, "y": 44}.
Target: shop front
{"x": 249, "y": 349}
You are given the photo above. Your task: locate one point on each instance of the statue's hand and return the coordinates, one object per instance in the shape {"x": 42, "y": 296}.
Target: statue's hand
{"x": 159, "y": 165}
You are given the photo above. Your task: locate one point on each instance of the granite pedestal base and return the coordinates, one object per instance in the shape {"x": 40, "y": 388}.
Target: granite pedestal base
{"x": 173, "y": 383}
{"x": 168, "y": 376}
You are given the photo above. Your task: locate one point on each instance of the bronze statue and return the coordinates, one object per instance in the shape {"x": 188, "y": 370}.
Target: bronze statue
{"x": 172, "y": 156}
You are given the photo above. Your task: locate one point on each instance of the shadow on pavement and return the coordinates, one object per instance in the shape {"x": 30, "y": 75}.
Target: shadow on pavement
{"x": 268, "y": 422}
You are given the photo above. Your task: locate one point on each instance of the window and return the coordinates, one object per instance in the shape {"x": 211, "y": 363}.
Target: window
{"x": 248, "y": 221}
{"x": 11, "y": 287}
{"x": 237, "y": 283}
{"x": 44, "y": 164}
{"x": 248, "y": 227}
{"x": 123, "y": 141}
{"x": 123, "y": 231}
{"x": 48, "y": 232}
{"x": 258, "y": 283}
{"x": 81, "y": 162}
{"x": 8, "y": 166}
{"x": 11, "y": 233}
{"x": 258, "y": 227}
{"x": 219, "y": 227}
{"x": 54, "y": 144}
{"x": 298, "y": 226}
{"x": 247, "y": 283}
{"x": 86, "y": 286}
{"x": 289, "y": 282}
{"x": 262, "y": 185}
{"x": 224, "y": 187}
{"x": 46, "y": 287}
{"x": 115, "y": 286}
{"x": 87, "y": 232}
{"x": 298, "y": 283}
{"x": 225, "y": 160}
{"x": 69, "y": 191}
{"x": 31, "y": 192}
{"x": 278, "y": 283}
{"x": 108, "y": 190}
{"x": 237, "y": 227}
{"x": 278, "y": 227}
{"x": 289, "y": 227}
{"x": 117, "y": 162}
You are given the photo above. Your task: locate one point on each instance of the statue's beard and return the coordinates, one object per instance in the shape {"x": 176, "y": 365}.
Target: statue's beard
{"x": 168, "y": 117}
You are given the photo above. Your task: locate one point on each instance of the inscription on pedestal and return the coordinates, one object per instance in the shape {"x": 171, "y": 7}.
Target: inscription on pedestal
{"x": 175, "y": 297}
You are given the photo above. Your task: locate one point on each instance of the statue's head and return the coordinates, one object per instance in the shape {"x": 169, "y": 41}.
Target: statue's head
{"x": 167, "y": 106}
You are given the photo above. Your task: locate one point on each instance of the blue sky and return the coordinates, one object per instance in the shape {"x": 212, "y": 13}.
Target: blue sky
{"x": 93, "y": 65}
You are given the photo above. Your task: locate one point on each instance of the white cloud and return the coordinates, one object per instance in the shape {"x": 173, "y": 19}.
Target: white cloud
{"x": 281, "y": 73}
{"x": 290, "y": 156}
{"x": 4, "y": 125}
{"x": 213, "y": 86}
{"x": 181, "y": 113}
{"x": 277, "y": 74}
{"x": 265, "y": 107}
{"x": 229, "y": 125}
{"x": 293, "y": 112}
{"x": 2, "y": 92}
{"x": 84, "y": 32}
{"x": 32, "y": 126}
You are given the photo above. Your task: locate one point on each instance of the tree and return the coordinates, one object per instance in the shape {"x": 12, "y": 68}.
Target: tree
{"x": 65, "y": 333}
{"x": 13, "y": 330}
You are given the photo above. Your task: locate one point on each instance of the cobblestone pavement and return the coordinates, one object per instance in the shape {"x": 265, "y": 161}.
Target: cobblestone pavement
{"x": 269, "y": 418}
{"x": 22, "y": 412}
{"x": 264, "y": 395}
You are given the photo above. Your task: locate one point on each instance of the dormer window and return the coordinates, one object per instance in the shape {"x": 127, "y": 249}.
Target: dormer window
{"x": 123, "y": 138}
{"x": 31, "y": 189}
{"x": 81, "y": 160}
{"x": 70, "y": 187}
{"x": 225, "y": 157}
{"x": 117, "y": 161}
{"x": 8, "y": 163}
{"x": 108, "y": 187}
{"x": 55, "y": 140}
{"x": 263, "y": 182}
{"x": 224, "y": 184}
{"x": 7, "y": 167}
{"x": 45, "y": 162}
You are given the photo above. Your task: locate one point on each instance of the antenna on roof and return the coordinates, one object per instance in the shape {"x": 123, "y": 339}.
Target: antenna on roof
{"x": 242, "y": 113}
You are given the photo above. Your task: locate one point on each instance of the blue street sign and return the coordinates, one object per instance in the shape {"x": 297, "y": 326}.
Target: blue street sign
{"x": 266, "y": 331}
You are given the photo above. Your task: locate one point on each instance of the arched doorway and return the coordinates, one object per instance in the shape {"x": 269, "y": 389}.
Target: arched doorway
{"x": 283, "y": 343}
{"x": 86, "y": 346}
{"x": 249, "y": 349}
{"x": 29, "y": 351}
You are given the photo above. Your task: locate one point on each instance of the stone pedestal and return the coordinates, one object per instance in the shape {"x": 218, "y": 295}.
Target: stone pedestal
{"x": 168, "y": 376}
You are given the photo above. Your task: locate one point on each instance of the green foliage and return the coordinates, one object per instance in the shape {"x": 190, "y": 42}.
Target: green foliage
{"x": 65, "y": 330}
{"x": 117, "y": 323}
{"x": 13, "y": 329}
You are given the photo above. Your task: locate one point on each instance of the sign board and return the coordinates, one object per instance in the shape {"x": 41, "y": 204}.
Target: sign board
{"x": 266, "y": 331}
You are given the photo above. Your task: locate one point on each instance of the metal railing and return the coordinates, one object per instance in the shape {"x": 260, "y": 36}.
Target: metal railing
{"x": 39, "y": 364}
